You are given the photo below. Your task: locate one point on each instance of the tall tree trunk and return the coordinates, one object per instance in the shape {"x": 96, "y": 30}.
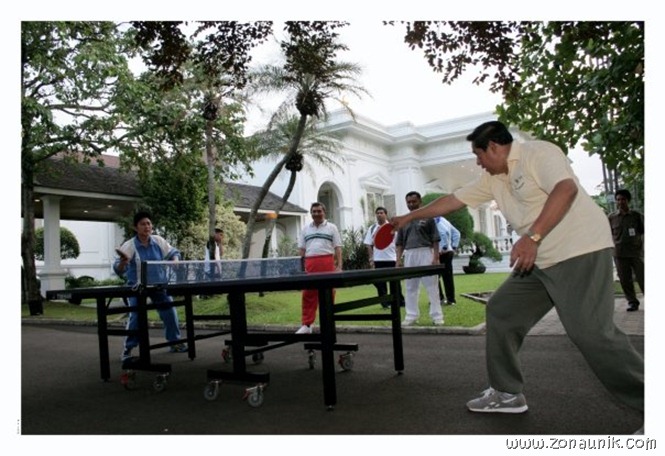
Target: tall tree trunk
{"x": 211, "y": 159}
{"x": 273, "y": 222}
{"x": 247, "y": 243}
{"x": 30, "y": 285}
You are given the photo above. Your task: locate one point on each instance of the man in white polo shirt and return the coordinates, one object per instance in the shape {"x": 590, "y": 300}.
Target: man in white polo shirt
{"x": 381, "y": 258}
{"x": 321, "y": 247}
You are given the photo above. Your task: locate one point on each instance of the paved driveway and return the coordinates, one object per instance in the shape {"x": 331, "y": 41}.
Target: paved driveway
{"x": 62, "y": 393}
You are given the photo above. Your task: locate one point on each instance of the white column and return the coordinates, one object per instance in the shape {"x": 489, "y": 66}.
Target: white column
{"x": 345, "y": 217}
{"x": 273, "y": 240}
{"x": 52, "y": 275}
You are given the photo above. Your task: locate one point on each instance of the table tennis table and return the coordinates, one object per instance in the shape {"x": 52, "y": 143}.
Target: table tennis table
{"x": 184, "y": 280}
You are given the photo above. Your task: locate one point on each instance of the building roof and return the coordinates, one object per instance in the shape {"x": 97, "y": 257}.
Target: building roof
{"x": 73, "y": 176}
{"x": 91, "y": 192}
{"x": 243, "y": 196}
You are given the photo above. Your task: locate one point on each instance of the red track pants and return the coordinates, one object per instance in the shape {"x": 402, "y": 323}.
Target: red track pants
{"x": 310, "y": 298}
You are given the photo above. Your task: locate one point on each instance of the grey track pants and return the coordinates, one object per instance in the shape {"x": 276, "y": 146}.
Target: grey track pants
{"x": 582, "y": 292}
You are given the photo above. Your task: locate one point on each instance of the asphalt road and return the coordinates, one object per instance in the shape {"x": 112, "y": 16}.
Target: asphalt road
{"x": 62, "y": 393}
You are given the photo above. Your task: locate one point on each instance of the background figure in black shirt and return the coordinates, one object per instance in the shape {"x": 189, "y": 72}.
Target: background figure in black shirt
{"x": 627, "y": 231}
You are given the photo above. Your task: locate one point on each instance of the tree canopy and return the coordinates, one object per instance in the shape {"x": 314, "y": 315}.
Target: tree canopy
{"x": 81, "y": 99}
{"x": 573, "y": 83}
{"x": 208, "y": 60}
{"x": 71, "y": 75}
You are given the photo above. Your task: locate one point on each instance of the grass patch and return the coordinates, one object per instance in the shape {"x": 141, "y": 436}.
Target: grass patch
{"x": 283, "y": 308}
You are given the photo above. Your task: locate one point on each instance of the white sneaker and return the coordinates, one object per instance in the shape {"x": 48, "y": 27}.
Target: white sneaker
{"x": 438, "y": 322}
{"x": 408, "y": 323}
{"x": 304, "y": 329}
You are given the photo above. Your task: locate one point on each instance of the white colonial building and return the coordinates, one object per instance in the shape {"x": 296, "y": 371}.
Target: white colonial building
{"x": 378, "y": 165}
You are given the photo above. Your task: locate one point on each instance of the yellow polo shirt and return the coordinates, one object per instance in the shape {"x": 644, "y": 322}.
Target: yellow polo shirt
{"x": 534, "y": 168}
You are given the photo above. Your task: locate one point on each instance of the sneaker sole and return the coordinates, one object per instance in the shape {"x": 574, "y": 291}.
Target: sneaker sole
{"x": 522, "y": 409}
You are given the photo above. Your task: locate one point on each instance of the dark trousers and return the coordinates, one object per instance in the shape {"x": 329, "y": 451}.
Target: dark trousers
{"x": 446, "y": 259}
{"x": 626, "y": 267}
{"x": 382, "y": 287}
{"x": 580, "y": 289}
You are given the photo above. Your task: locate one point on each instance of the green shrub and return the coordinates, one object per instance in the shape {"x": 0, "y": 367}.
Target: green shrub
{"x": 354, "y": 251}
{"x": 87, "y": 281}
{"x": 79, "y": 282}
{"x": 69, "y": 246}
{"x": 287, "y": 247}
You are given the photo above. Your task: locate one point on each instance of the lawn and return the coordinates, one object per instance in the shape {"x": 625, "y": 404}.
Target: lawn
{"x": 283, "y": 308}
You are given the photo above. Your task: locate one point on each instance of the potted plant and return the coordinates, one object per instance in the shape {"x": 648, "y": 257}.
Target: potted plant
{"x": 482, "y": 247}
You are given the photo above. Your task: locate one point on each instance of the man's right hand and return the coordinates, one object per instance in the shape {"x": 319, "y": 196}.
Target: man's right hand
{"x": 398, "y": 222}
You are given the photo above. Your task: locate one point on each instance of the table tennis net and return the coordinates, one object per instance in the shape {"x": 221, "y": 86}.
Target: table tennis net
{"x": 179, "y": 272}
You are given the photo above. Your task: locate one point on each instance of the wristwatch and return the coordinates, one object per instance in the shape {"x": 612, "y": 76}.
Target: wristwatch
{"x": 535, "y": 237}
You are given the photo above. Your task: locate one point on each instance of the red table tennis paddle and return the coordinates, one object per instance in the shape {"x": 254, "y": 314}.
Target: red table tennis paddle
{"x": 384, "y": 236}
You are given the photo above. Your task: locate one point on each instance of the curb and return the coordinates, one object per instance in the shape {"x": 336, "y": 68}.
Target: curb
{"x": 456, "y": 330}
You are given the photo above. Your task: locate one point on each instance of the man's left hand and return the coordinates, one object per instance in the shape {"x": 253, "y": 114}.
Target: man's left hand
{"x": 523, "y": 255}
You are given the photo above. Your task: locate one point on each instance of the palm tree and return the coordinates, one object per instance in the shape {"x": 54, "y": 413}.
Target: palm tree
{"x": 316, "y": 145}
{"x": 212, "y": 57}
{"x": 310, "y": 76}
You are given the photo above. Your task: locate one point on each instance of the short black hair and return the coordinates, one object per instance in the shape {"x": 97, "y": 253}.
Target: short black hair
{"x": 318, "y": 204}
{"x": 219, "y": 230}
{"x": 140, "y": 215}
{"x": 381, "y": 208}
{"x": 623, "y": 192}
{"x": 494, "y": 131}
{"x": 413, "y": 193}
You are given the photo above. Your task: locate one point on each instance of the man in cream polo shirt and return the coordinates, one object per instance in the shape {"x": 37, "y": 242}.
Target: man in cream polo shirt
{"x": 320, "y": 245}
{"x": 563, "y": 259}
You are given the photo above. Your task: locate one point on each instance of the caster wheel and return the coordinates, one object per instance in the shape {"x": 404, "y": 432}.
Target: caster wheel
{"x": 211, "y": 391}
{"x": 159, "y": 384}
{"x": 128, "y": 380}
{"x": 254, "y": 396}
{"x": 257, "y": 358}
{"x": 226, "y": 355}
{"x": 346, "y": 361}
{"x": 255, "y": 399}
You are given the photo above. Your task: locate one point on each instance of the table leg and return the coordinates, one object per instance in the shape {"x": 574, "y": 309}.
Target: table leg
{"x": 143, "y": 330}
{"x": 103, "y": 339}
{"x": 238, "y": 331}
{"x": 398, "y": 351}
{"x": 328, "y": 340}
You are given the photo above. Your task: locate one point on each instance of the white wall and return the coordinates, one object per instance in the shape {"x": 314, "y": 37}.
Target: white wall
{"x": 97, "y": 243}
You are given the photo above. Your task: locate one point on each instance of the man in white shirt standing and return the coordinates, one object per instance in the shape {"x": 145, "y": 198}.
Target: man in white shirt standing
{"x": 320, "y": 245}
{"x": 213, "y": 254}
{"x": 419, "y": 242}
{"x": 381, "y": 258}
{"x": 215, "y": 250}
{"x": 449, "y": 242}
